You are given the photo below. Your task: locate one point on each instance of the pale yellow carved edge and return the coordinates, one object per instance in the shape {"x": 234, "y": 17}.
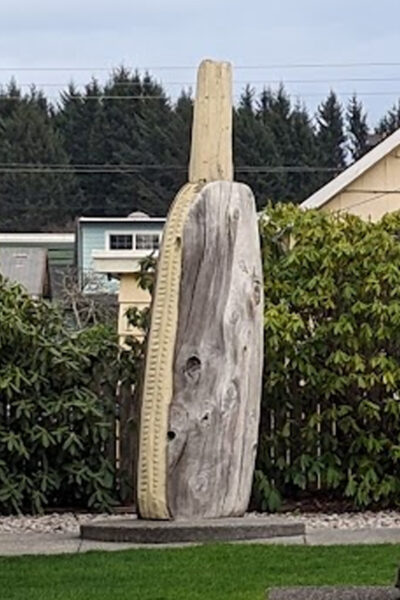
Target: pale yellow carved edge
{"x": 157, "y": 392}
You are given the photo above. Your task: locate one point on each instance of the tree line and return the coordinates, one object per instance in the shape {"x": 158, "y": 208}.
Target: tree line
{"x": 123, "y": 145}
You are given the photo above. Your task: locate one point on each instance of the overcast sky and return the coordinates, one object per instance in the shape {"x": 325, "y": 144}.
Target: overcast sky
{"x": 77, "y": 34}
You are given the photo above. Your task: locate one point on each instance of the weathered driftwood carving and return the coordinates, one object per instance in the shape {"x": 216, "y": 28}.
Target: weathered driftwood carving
{"x": 214, "y": 412}
{"x": 201, "y": 394}
{"x": 211, "y": 151}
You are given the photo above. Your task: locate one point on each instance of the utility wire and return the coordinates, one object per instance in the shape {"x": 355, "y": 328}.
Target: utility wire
{"x": 371, "y": 198}
{"x": 30, "y": 168}
{"x": 237, "y": 82}
{"x": 343, "y": 65}
{"x": 339, "y": 65}
{"x": 98, "y": 97}
{"x": 82, "y": 98}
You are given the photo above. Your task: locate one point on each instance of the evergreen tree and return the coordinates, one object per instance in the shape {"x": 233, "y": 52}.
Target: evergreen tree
{"x": 77, "y": 120}
{"x": 357, "y": 128}
{"x": 302, "y": 153}
{"x": 180, "y": 133}
{"x": 254, "y": 147}
{"x": 273, "y": 111}
{"x": 130, "y": 121}
{"x": 137, "y": 133}
{"x": 40, "y": 200}
{"x": 390, "y": 122}
{"x": 293, "y": 137}
{"x": 330, "y": 136}
{"x": 10, "y": 97}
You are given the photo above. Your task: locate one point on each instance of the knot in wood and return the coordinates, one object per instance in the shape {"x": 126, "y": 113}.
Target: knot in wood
{"x": 257, "y": 292}
{"x": 192, "y": 368}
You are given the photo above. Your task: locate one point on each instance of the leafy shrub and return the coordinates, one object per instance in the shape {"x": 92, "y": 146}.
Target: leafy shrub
{"x": 57, "y": 402}
{"x": 331, "y": 405}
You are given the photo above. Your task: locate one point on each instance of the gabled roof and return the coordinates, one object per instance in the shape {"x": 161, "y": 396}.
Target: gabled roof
{"x": 339, "y": 183}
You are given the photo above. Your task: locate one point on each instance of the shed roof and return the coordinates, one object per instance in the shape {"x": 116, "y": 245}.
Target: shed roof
{"x": 339, "y": 183}
{"x": 26, "y": 266}
{"x": 40, "y": 238}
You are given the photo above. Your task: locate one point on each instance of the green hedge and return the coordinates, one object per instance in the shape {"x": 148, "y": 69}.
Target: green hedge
{"x": 57, "y": 401}
{"x": 331, "y": 405}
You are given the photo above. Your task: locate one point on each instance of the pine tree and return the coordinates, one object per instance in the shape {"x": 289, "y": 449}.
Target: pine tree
{"x": 357, "y": 128}
{"x": 41, "y": 200}
{"x": 254, "y": 147}
{"x": 180, "y": 133}
{"x": 274, "y": 110}
{"x": 302, "y": 153}
{"x": 77, "y": 120}
{"x": 390, "y": 122}
{"x": 330, "y": 136}
{"x": 10, "y": 97}
{"x": 293, "y": 138}
{"x": 137, "y": 132}
{"x": 131, "y": 121}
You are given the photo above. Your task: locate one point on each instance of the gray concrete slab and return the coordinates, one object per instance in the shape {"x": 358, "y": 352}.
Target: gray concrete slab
{"x": 60, "y": 543}
{"x": 212, "y": 530}
{"x": 18, "y": 544}
{"x": 332, "y": 537}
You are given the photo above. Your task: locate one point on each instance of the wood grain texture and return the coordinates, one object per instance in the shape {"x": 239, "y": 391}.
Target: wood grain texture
{"x": 211, "y": 149}
{"x": 214, "y": 411}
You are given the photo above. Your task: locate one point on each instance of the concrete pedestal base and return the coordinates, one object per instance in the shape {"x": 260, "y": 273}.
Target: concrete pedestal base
{"x": 174, "y": 532}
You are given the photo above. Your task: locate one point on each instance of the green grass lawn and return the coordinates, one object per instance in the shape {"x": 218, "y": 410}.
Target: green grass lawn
{"x": 215, "y": 572}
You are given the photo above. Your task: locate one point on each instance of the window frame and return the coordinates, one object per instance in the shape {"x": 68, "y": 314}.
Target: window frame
{"x": 146, "y": 233}
{"x": 116, "y": 233}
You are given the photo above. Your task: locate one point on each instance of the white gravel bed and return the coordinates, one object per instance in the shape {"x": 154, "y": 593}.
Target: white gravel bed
{"x": 52, "y": 523}
{"x": 70, "y": 522}
{"x": 345, "y": 520}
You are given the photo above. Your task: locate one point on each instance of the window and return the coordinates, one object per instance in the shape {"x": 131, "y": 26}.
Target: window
{"x": 121, "y": 241}
{"x": 146, "y": 241}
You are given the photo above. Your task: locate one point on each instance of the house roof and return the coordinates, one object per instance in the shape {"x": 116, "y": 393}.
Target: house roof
{"x": 339, "y": 183}
{"x": 37, "y": 238}
{"x": 26, "y": 266}
{"x": 121, "y": 219}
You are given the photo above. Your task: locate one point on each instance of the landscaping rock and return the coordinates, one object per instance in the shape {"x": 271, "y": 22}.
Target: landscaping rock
{"x": 344, "y": 520}
{"x": 70, "y": 522}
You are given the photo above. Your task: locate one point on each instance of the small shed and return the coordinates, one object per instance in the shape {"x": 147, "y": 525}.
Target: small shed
{"x": 28, "y": 267}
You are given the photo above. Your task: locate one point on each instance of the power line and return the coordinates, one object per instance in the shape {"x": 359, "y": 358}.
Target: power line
{"x": 237, "y": 82}
{"x": 339, "y": 65}
{"x": 343, "y": 65}
{"x": 372, "y": 198}
{"x": 104, "y": 97}
{"x": 30, "y": 168}
{"x": 98, "y": 97}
